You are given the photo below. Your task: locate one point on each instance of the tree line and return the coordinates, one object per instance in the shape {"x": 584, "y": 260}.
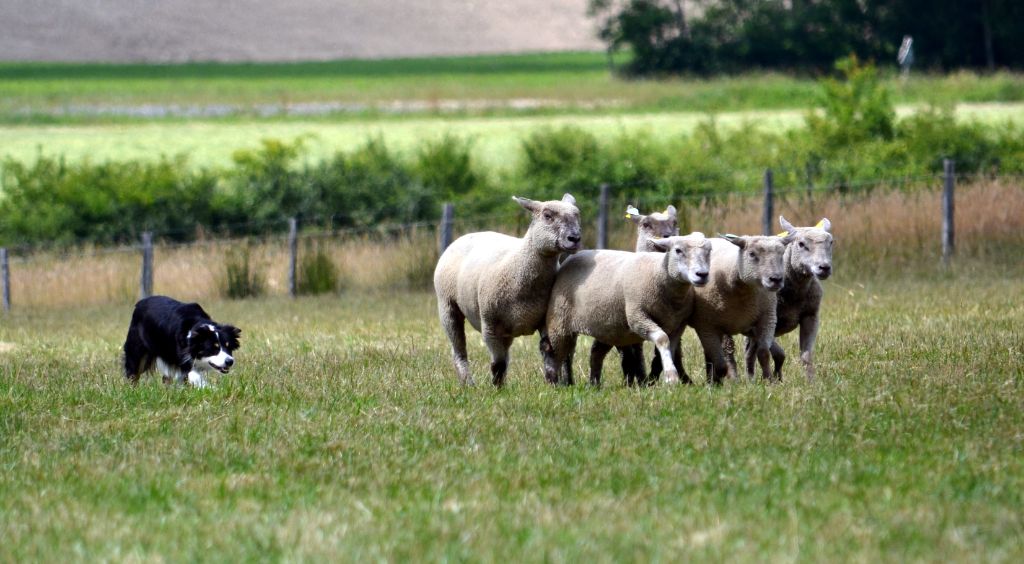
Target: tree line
{"x": 720, "y": 36}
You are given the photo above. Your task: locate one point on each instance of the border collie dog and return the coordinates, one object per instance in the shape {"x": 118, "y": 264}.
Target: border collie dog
{"x": 180, "y": 339}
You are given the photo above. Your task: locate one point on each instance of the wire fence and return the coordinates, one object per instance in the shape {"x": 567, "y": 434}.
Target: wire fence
{"x": 368, "y": 252}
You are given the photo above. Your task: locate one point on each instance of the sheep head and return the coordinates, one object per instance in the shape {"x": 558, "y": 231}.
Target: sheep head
{"x": 810, "y": 252}
{"x": 688, "y": 257}
{"x": 657, "y": 225}
{"x": 555, "y": 227}
{"x": 760, "y": 260}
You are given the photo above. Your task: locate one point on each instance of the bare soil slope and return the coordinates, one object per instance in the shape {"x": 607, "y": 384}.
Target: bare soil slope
{"x": 262, "y": 30}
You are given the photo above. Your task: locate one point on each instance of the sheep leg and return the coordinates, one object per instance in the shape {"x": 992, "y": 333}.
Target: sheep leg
{"x": 558, "y": 361}
{"x": 498, "y": 347}
{"x": 729, "y": 349}
{"x": 655, "y": 368}
{"x": 808, "y": 334}
{"x": 677, "y": 357}
{"x": 567, "y": 379}
{"x": 597, "y": 353}
{"x": 750, "y": 353}
{"x": 763, "y": 335}
{"x": 548, "y": 359}
{"x": 779, "y": 358}
{"x": 663, "y": 344}
{"x": 633, "y": 364}
{"x": 714, "y": 356}
{"x": 454, "y": 324}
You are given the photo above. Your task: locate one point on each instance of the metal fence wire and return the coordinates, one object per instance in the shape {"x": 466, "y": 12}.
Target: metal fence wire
{"x": 612, "y": 198}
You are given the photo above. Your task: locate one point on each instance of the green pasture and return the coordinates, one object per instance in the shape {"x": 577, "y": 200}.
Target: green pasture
{"x": 495, "y": 139}
{"x": 342, "y": 434}
{"x": 579, "y": 82}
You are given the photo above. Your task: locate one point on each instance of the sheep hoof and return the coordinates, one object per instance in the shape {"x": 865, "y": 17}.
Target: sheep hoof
{"x": 671, "y": 378}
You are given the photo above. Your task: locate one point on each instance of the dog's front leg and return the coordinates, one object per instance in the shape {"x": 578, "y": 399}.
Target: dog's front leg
{"x": 195, "y": 378}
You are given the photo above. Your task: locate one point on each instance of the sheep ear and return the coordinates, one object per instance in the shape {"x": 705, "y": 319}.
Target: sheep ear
{"x": 788, "y": 238}
{"x": 567, "y": 198}
{"x": 662, "y": 245}
{"x": 735, "y": 240}
{"x": 786, "y": 225}
{"x": 670, "y": 211}
{"x": 527, "y": 203}
{"x": 633, "y": 214}
{"x": 825, "y": 225}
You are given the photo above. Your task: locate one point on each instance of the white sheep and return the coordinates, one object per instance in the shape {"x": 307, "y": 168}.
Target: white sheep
{"x": 501, "y": 284}
{"x": 621, "y": 299}
{"x": 649, "y": 228}
{"x": 740, "y": 297}
{"x": 808, "y": 259}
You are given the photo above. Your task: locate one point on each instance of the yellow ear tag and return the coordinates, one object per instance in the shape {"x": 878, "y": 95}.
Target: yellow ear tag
{"x": 783, "y": 234}
{"x": 821, "y": 224}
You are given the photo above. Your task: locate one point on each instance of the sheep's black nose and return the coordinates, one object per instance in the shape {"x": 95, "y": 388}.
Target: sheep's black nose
{"x": 775, "y": 279}
{"x": 229, "y": 361}
{"x": 575, "y": 238}
{"x": 825, "y": 269}
{"x": 702, "y": 274}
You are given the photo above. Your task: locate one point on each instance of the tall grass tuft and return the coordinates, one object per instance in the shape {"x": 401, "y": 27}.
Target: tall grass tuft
{"x": 317, "y": 273}
{"x": 242, "y": 278}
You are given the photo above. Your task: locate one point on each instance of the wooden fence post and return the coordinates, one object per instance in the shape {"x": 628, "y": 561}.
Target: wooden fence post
{"x": 949, "y": 177}
{"x": 602, "y": 218}
{"x": 5, "y": 279}
{"x": 447, "y": 221}
{"x": 146, "y": 280}
{"x": 293, "y": 256}
{"x": 769, "y": 202}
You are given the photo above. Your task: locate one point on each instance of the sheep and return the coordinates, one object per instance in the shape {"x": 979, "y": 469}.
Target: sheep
{"x": 648, "y": 228}
{"x": 808, "y": 259}
{"x": 501, "y": 284}
{"x": 739, "y": 298}
{"x": 621, "y": 299}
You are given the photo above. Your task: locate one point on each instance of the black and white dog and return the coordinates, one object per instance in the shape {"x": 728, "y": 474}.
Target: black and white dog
{"x": 180, "y": 339}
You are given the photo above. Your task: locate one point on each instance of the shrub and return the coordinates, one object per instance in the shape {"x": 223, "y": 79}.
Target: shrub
{"x": 57, "y": 202}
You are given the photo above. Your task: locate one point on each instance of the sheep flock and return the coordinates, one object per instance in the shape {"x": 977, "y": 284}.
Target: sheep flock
{"x": 760, "y": 287}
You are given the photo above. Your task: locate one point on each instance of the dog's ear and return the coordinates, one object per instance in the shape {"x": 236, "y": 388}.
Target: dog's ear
{"x": 233, "y": 334}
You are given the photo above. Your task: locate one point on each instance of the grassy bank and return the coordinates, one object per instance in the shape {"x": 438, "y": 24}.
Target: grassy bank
{"x": 342, "y": 433}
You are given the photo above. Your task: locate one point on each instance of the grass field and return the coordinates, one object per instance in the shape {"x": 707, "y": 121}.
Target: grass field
{"x": 343, "y": 433}
{"x": 574, "y": 81}
{"x": 105, "y": 112}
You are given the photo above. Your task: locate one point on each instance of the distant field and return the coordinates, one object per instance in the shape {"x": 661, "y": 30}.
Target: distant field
{"x": 343, "y": 434}
{"x": 577, "y": 82}
{"x": 495, "y": 139}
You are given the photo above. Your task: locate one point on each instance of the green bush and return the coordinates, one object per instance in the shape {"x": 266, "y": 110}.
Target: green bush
{"x": 53, "y": 201}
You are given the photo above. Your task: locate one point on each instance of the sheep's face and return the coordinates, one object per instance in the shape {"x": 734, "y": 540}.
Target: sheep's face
{"x": 555, "y": 225}
{"x": 761, "y": 260}
{"x": 689, "y": 257}
{"x": 810, "y": 252}
{"x": 657, "y": 225}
